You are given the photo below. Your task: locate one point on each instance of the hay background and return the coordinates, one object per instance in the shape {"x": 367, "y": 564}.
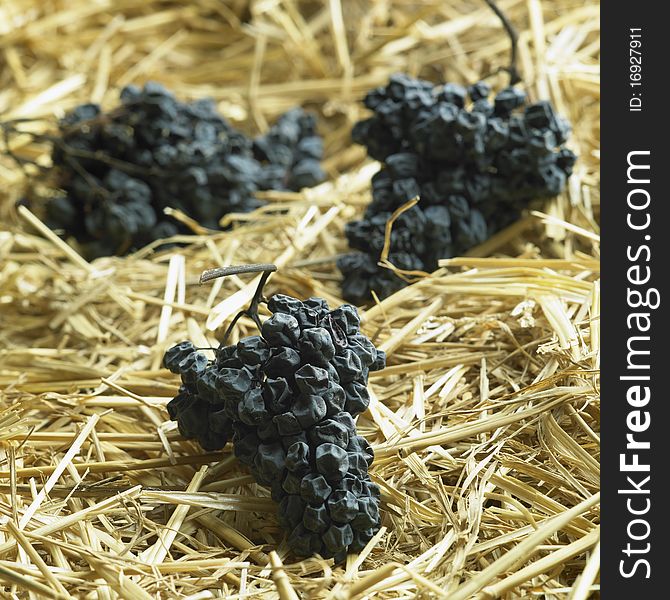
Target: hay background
{"x": 485, "y": 423}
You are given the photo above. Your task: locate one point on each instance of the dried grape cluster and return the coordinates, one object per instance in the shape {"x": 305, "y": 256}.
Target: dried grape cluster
{"x": 288, "y": 398}
{"x": 120, "y": 169}
{"x": 474, "y": 163}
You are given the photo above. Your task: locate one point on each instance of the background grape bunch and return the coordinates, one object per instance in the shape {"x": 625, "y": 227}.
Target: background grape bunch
{"x": 474, "y": 164}
{"x": 120, "y": 169}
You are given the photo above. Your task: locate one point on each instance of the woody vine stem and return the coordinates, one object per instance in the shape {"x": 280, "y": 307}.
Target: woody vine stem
{"x": 252, "y": 311}
{"x": 513, "y": 71}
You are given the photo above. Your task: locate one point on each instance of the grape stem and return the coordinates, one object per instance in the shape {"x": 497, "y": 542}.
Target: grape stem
{"x": 513, "y": 71}
{"x": 252, "y": 311}
{"x": 72, "y": 154}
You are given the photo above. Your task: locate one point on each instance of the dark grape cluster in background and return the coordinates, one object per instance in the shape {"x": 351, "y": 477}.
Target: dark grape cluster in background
{"x": 288, "y": 398}
{"x": 120, "y": 169}
{"x": 474, "y": 163}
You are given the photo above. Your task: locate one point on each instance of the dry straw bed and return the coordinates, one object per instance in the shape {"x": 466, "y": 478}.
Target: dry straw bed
{"x": 486, "y": 420}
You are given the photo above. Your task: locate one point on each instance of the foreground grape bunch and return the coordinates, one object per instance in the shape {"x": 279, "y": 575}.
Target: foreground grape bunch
{"x": 120, "y": 169}
{"x": 475, "y": 164}
{"x": 289, "y": 397}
